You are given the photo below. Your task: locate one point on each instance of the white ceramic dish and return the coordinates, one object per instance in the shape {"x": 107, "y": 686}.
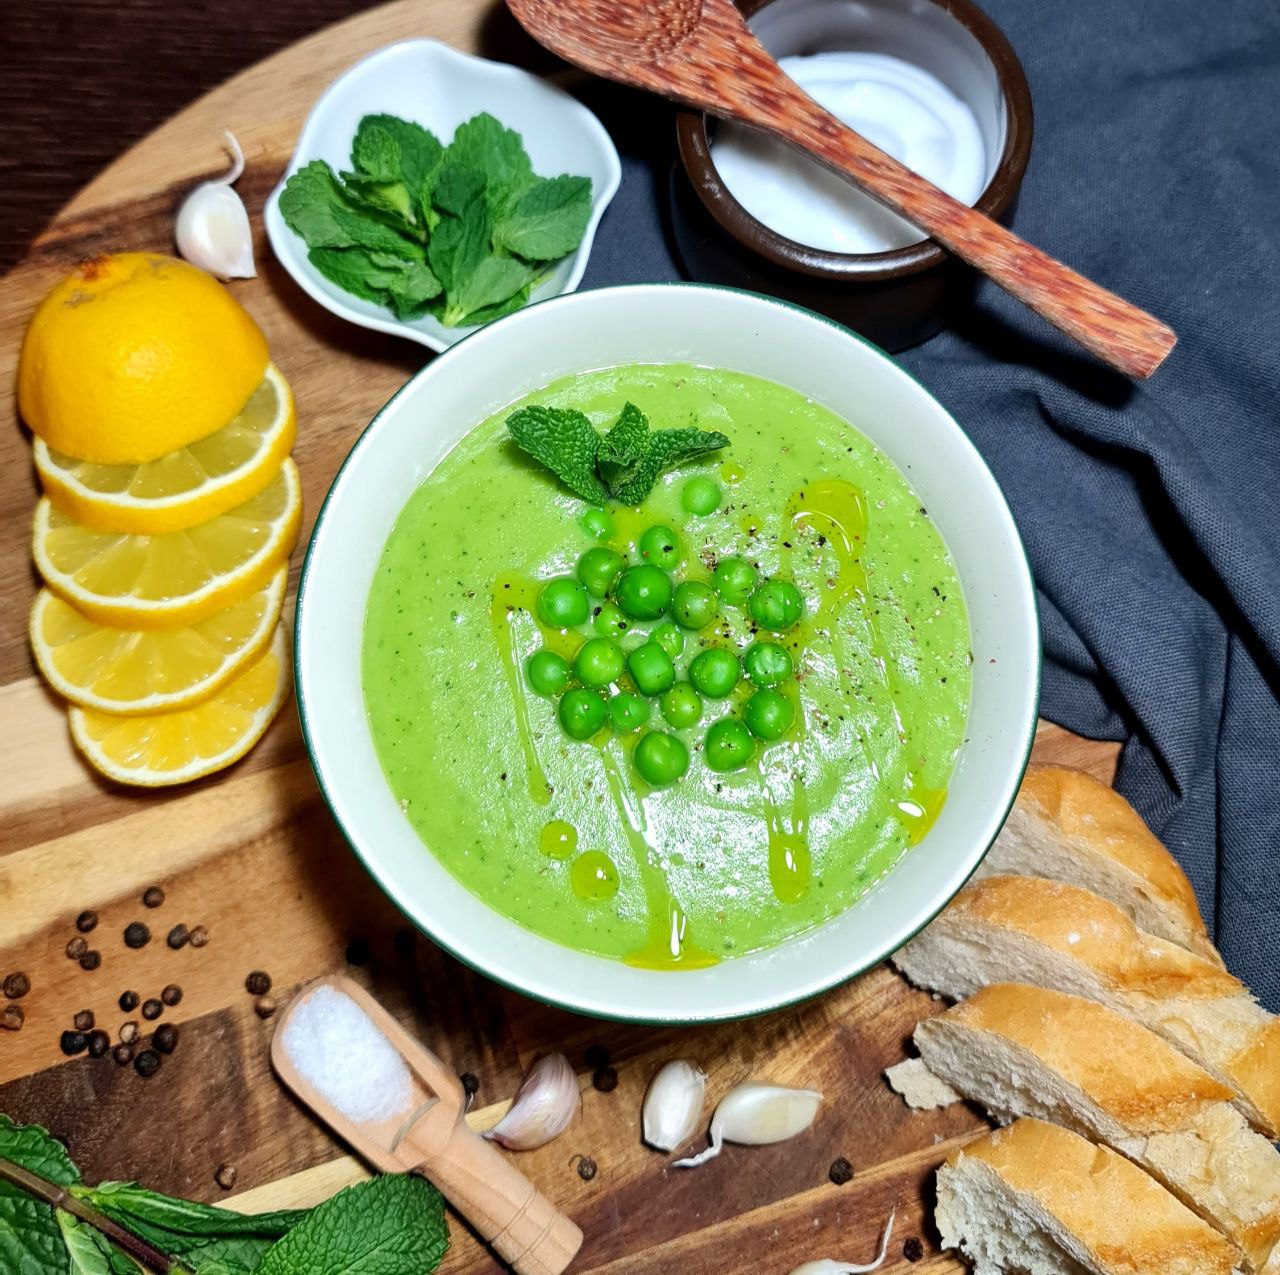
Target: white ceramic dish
{"x": 439, "y": 88}
{"x": 718, "y": 327}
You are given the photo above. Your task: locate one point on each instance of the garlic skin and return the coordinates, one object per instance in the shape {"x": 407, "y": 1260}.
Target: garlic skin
{"x": 673, "y": 1104}
{"x": 213, "y": 229}
{"x": 756, "y": 1115}
{"x": 543, "y": 1108}
{"x": 828, "y": 1266}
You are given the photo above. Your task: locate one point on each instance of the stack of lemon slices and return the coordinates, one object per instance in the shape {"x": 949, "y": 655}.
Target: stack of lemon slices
{"x": 170, "y": 507}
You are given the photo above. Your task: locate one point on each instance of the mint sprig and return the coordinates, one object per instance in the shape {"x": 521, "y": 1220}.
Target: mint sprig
{"x": 623, "y": 465}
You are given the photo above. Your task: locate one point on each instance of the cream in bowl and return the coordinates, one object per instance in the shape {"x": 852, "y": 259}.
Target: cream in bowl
{"x": 698, "y": 751}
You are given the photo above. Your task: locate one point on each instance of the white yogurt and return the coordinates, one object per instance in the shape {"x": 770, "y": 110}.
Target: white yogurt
{"x": 901, "y": 108}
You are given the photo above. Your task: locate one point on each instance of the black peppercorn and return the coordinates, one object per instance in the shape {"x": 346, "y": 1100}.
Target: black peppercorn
{"x": 123, "y": 1054}
{"x": 605, "y": 1079}
{"x": 77, "y": 948}
{"x": 86, "y": 922}
{"x": 596, "y": 1056}
{"x": 178, "y": 937}
{"x": 199, "y": 936}
{"x": 129, "y": 1001}
{"x": 840, "y": 1172}
{"x": 128, "y": 1032}
{"x": 166, "y": 1038}
{"x": 153, "y": 897}
{"x": 99, "y": 1043}
{"x": 586, "y": 1168}
{"x": 264, "y": 1006}
{"x": 84, "y": 1021}
{"x": 470, "y": 1083}
{"x": 16, "y": 986}
{"x": 91, "y": 960}
{"x": 136, "y": 935}
{"x": 912, "y": 1249}
{"x": 12, "y": 1018}
{"x": 258, "y": 983}
{"x": 358, "y": 952}
{"x": 147, "y": 1063}
{"x": 171, "y": 994}
{"x": 152, "y": 1009}
{"x": 74, "y": 1043}
{"x": 226, "y": 1176}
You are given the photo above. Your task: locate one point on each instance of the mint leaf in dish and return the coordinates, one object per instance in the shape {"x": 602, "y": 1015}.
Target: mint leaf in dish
{"x": 566, "y": 442}
{"x": 547, "y": 219}
{"x": 393, "y": 1225}
{"x": 624, "y": 447}
{"x": 464, "y": 232}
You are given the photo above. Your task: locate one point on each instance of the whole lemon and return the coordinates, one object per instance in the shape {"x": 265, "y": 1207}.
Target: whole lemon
{"x": 134, "y": 355}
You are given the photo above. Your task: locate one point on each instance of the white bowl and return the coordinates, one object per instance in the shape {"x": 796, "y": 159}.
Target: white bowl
{"x": 439, "y": 88}
{"x": 718, "y": 327}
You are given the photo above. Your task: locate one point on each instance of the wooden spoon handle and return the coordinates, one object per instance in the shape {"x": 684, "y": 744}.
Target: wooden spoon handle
{"x": 1118, "y": 332}
{"x": 524, "y": 1228}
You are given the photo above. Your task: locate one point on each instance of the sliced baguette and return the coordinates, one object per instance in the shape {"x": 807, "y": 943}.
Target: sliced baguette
{"x": 1068, "y": 826}
{"x": 1040, "y": 1199}
{"x": 1063, "y": 937}
{"x": 1026, "y": 1051}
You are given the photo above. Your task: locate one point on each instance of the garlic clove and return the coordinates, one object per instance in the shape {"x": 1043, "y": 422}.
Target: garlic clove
{"x": 673, "y": 1104}
{"x": 543, "y": 1108}
{"x": 213, "y": 230}
{"x": 828, "y": 1266}
{"x": 757, "y": 1115}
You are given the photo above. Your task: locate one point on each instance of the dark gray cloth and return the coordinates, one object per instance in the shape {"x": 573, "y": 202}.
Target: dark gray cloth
{"x": 1151, "y": 513}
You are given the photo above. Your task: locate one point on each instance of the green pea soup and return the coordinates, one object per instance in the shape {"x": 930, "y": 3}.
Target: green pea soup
{"x": 563, "y": 836}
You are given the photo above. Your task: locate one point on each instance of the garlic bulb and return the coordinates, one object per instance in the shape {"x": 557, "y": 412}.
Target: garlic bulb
{"x": 756, "y": 1115}
{"x": 828, "y": 1266}
{"x": 543, "y": 1107}
{"x": 213, "y": 225}
{"x": 673, "y": 1105}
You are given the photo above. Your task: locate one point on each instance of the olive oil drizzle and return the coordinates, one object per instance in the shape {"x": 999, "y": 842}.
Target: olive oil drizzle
{"x": 790, "y": 862}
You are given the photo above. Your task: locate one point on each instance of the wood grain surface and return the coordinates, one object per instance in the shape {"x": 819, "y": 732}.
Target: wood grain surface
{"x": 253, "y": 856}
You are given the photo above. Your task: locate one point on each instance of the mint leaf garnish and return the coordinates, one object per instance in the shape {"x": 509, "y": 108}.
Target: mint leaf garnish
{"x": 394, "y": 1225}
{"x": 624, "y": 447}
{"x": 565, "y": 442}
{"x": 666, "y": 449}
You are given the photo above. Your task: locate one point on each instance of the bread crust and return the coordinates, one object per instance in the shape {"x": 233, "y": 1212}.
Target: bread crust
{"x": 1127, "y": 1221}
{"x": 1090, "y": 820}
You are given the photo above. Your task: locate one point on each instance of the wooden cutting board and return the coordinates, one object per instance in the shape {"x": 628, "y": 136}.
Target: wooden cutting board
{"x": 253, "y": 856}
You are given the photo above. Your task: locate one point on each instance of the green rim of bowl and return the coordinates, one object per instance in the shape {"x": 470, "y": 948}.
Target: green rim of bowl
{"x": 839, "y": 979}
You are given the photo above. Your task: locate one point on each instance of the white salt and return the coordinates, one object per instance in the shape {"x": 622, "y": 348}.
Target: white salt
{"x": 339, "y": 1051}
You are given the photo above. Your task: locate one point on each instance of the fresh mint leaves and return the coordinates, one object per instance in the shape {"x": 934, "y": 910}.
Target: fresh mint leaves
{"x": 623, "y": 465}
{"x": 391, "y": 1225}
{"x": 463, "y": 232}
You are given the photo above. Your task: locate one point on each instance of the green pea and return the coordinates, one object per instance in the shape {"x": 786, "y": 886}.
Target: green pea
{"x": 681, "y": 706}
{"x": 582, "y": 712}
{"x": 735, "y": 578}
{"x": 563, "y": 603}
{"x": 669, "y": 637}
{"x": 694, "y": 604}
{"x": 599, "y": 662}
{"x": 660, "y": 758}
{"x": 609, "y": 622}
{"x": 769, "y": 714}
{"x": 700, "y": 496}
{"x": 776, "y": 605}
{"x": 597, "y": 524}
{"x": 714, "y": 672}
{"x": 628, "y": 712}
{"x": 651, "y": 669}
{"x": 548, "y": 673}
{"x": 598, "y": 568}
{"x": 767, "y": 663}
{"x": 728, "y": 745}
{"x": 643, "y": 592}
{"x": 660, "y": 546}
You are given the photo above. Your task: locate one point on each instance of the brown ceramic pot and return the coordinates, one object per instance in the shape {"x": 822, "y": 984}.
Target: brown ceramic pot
{"x": 896, "y": 299}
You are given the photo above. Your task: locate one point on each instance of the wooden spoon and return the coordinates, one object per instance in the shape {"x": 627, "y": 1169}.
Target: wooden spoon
{"x": 431, "y": 1137}
{"x": 701, "y": 53}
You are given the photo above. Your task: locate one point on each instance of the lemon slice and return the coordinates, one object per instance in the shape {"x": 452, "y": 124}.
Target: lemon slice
{"x": 131, "y": 671}
{"x": 174, "y": 748}
{"x": 188, "y": 486}
{"x": 173, "y": 580}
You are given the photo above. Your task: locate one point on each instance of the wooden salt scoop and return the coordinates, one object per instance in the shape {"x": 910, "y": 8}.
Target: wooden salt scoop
{"x": 701, "y": 53}
{"x": 521, "y": 1225}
